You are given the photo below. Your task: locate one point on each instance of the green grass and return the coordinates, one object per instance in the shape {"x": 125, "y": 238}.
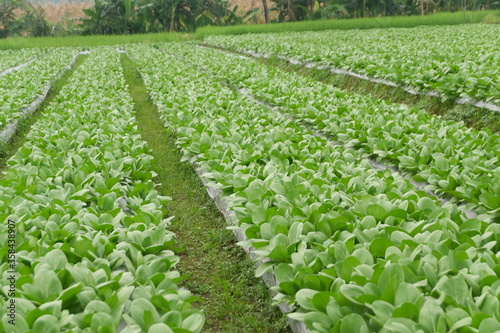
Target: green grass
{"x": 474, "y": 117}
{"x": 91, "y": 41}
{"x": 363, "y": 23}
{"x": 216, "y": 269}
{"x": 493, "y": 18}
{"x": 24, "y": 125}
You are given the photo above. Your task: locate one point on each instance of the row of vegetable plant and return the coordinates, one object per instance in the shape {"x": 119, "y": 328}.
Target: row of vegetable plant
{"x": 13, "y": 58}
{"x": 20, "y": 88}
{"x": 454, "y": 159}
{"x": 455, "y": 61}
{"x": 92, "y": 249}
{"x": 354, "y": 248}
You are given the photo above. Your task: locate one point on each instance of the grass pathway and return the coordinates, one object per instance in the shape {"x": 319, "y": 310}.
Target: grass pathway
{"x": 216, "y": 269}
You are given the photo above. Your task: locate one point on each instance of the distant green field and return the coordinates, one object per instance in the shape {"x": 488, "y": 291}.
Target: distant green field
{"x": 90, "y": 41}
{"x": 363, "y": 23}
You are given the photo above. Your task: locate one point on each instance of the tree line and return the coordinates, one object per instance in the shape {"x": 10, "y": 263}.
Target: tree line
{"x": 105, "y": 17}
{"x": 146, "y": 16}
{"x": 299, "y": 10}
{"x": 20, "y": 18}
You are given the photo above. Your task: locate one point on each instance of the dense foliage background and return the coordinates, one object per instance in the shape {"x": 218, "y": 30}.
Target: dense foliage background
{"x": 297, "y": 10}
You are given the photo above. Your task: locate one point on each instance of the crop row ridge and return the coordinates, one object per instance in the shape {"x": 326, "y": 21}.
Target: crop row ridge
{"x": 23, "y": 64}
{"x": 11, "y": 128}
{"x": 379, "y": 165}
{"x": 466, "y": 100}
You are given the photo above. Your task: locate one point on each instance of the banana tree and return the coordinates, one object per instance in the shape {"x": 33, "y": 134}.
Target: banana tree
{"x": 170, "y": 15}
{"x": 113, "y": 17}
{"x": 218, "y": 12}
{"x": 21, "y": 18}
{"x": 130, "y": 16}
{"x": 8, "y": 15}
{"x": 266, "y": 10}
{"x": 289, "y": 10}
{"x": 174, "y": 6}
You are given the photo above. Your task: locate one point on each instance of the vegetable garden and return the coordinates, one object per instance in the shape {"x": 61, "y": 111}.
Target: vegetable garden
{"x": 363, "y": 215}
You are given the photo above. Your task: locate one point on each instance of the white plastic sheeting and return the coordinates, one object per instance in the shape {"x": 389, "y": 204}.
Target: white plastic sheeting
{"x": 268, "y": 278}
{"x": 9, "y": 130}
{"x": 422, "y": 186}
{"x": 15, "y": 68}
{"x": 470, "y": 101}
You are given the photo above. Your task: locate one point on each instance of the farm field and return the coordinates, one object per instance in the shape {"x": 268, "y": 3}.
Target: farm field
{"x": 20, "y": 88}
{"x": 364, "y": 215}
{"x": 11, "y": 58}
{"x": 409, "y": 139}
{"x": 459, "y": 61}
{"x": 92, "y": 248}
